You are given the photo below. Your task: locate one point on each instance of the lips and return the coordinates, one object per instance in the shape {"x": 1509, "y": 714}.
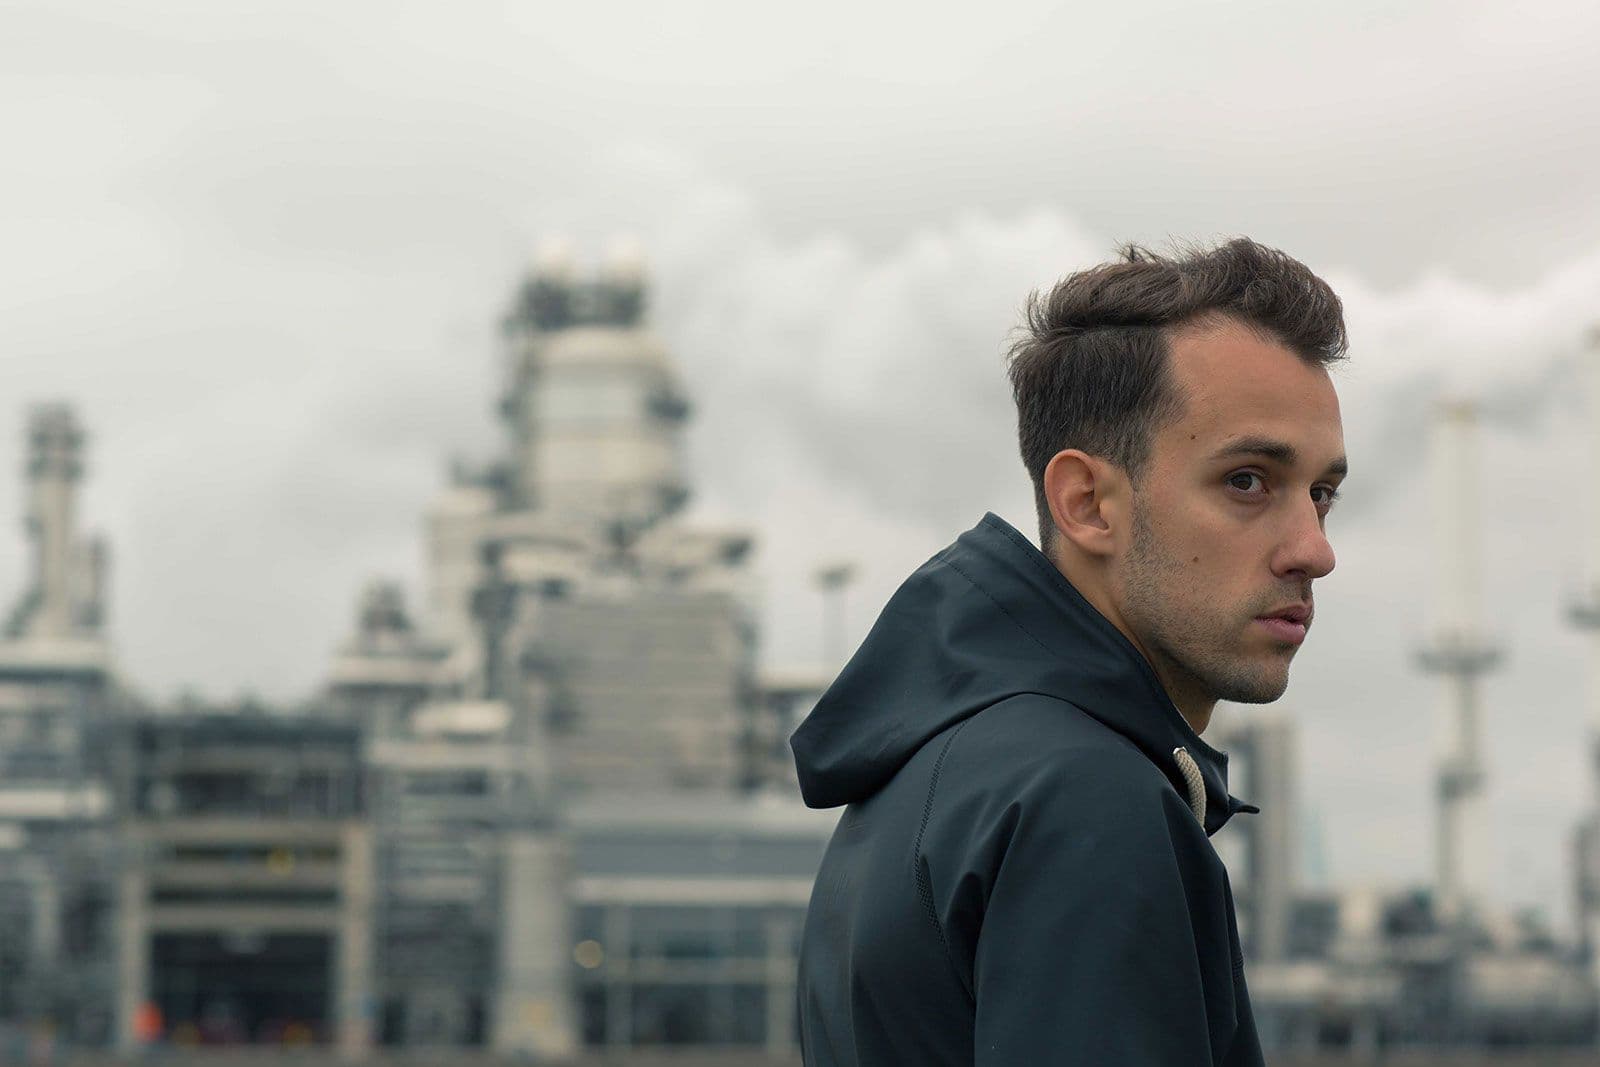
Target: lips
{"x": 1297, "y": 613}
{"x": 1284, "y": 629}
{"x": 1288, "y": 623}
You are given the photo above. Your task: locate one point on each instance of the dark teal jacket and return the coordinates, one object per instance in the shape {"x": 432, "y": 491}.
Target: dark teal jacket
{"x": 1023, "y": 875}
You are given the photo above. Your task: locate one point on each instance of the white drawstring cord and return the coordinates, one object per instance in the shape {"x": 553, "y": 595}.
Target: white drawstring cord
{"x": 1196, "y": 784}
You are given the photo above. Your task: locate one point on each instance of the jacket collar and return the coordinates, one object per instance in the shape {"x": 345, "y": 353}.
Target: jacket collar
{"x": 1098, "y": 668}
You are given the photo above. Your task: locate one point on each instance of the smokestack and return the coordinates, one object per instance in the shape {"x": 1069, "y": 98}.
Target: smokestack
{"x": 1458, "y": 651}
{"x": 54, "y": 467}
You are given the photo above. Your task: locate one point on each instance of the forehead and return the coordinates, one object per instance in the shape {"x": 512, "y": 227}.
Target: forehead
{"x": 1237, "y": 382}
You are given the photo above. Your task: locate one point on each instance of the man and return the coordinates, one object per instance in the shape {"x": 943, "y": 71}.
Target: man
{"x": 1023, "y": 874}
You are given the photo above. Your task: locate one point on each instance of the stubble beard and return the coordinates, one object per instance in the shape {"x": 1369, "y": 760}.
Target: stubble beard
{"x": 1191, "y": 645}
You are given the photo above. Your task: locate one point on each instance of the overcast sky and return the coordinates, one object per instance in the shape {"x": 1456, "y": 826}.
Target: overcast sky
{"x": 263, "y": 248}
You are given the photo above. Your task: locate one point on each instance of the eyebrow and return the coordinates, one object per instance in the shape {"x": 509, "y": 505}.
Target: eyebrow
{"x": 1280, "y": 451}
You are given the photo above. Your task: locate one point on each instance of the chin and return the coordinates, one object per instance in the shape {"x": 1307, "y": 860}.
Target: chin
{"x": 1254, "y": 686}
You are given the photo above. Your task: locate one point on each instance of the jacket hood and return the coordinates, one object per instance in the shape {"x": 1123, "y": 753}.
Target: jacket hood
{"x": 988, "y": 618}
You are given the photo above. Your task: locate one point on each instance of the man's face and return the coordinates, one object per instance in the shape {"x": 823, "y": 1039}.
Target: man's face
{"x": 1224, "y": 532}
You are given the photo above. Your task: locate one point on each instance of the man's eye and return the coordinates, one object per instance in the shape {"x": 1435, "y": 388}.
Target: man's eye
{"x": 1333, "y": 494}
{"x": 1233, "y": 479}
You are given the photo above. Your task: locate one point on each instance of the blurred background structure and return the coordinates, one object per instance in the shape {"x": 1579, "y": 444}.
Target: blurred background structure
{"x": 555, "y": 809}
{"x": 289, "y": 773}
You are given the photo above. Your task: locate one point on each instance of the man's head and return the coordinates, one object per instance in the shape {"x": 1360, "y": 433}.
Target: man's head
{"x": 1184, "y": 440}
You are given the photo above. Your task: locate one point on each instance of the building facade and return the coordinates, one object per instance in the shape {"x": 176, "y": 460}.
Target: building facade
{"x": 246, "y": 884}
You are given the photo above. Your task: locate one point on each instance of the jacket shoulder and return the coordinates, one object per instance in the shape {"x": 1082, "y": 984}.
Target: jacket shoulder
{"x": 1037, "y": 794}
{"x": 1049, "y": 748}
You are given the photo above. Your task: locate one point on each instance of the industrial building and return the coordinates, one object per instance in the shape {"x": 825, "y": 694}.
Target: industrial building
{"x": 569, "y": 748}
{"x": 553, "y": 806}
{"x": 246, "y": 883}
{"x": 545, "y": 811}
{"x": 59, "y": 860}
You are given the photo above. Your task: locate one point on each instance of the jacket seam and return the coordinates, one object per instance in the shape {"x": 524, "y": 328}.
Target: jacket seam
{"x": 953, "y": 565}
{"x": 924, "y": 883}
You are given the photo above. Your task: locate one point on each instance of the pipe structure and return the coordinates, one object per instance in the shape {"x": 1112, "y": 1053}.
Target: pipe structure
{"x": 1458, "y": 650}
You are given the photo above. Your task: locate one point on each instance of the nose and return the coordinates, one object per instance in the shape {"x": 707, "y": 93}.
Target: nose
{"x": 1306, "y": 552}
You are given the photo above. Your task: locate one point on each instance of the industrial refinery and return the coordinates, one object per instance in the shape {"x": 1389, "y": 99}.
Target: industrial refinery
{"x": 550, "y": 807}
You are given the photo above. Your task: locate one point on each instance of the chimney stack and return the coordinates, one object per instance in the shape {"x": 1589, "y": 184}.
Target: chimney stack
{"x": 1458, "y": 650}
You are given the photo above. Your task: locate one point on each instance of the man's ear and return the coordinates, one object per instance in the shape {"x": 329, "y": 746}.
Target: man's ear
{"x": 1088, "y": 500}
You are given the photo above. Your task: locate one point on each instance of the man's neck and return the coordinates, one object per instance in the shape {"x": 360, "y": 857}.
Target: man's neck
{"x": 1195, "y": 706}
{"x": 1197, "y": 716}
{"x": 1181, "y": 687}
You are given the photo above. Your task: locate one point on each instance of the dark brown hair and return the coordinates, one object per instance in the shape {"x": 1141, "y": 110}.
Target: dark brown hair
{"x": 1091, "y": 369}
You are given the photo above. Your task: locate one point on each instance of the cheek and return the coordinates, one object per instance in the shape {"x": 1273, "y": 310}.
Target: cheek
{"x": 1199, "y": 525}
{"x": 1210, "y": 566}
{"x": 1190, "y": 538}
{"x": 1201, "y": 548}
